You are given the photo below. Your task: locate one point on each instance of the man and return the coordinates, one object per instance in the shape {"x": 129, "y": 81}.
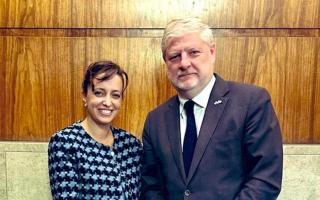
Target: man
{"x": 225, "y": 144}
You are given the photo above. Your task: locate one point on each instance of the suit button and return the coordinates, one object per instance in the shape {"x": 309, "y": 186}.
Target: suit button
{"x": 187, "y": 193}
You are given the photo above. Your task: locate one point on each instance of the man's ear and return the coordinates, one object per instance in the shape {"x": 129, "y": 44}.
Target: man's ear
{"x": 213, "y": 49}
{"x": 213, "y": 52}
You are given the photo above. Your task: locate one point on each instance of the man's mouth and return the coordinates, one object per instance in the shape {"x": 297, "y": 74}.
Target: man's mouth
{"x": 185, "y": 75}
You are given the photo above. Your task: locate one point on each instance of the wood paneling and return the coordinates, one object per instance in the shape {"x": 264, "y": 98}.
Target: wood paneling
{"x": 157, "y": 33}
{"x": 287, "y": 67}
{"x": 42, "y": 80}
{"x": 41, "y": 83}
{"x": 39, "y": 88}
{"x": 45, "y": 46}
{"x": 316, "y": 106}
{"x": 155, "y": 13}
{"x": 2, "y": 86}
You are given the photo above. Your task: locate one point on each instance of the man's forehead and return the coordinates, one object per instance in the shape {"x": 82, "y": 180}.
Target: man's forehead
{"x": 179, "y": 43}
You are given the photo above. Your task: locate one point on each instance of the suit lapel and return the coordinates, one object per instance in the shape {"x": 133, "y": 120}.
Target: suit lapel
{"x": 213, "y": 113}
{"x": 174, "y": 136}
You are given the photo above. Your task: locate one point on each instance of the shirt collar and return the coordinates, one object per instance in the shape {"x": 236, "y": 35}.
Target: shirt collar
{"x": 202, "y": 98}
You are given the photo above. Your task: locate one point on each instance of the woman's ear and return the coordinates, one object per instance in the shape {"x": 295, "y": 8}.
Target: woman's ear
{"x": 84, "y": 99}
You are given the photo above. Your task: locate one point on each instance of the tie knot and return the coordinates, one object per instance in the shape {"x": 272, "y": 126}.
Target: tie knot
{"x": 188, "y": 106}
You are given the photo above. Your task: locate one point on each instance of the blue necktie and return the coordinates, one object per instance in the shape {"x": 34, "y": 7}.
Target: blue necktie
{"x": 190, "y": 138}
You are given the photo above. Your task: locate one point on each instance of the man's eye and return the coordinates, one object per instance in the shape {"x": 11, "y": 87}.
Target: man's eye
{"x": 174, "y": 57}
{"x": 195, "y": 52}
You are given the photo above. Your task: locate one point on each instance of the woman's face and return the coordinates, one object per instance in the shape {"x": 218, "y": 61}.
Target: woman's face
{"x": 103, "y": 103}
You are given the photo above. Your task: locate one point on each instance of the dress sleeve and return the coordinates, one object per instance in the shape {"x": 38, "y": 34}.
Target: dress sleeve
{"x": 62, "y": 168}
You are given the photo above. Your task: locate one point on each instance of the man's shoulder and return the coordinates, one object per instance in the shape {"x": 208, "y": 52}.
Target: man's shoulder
{"x": 243, "y": 87}
{"x": 236, "y": 87}
{"x": 165, "y": 105}
{"x": 245, "y": 93}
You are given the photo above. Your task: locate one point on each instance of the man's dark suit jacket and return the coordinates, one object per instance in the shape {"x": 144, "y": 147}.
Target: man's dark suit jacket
{"x": 238, "y": 154}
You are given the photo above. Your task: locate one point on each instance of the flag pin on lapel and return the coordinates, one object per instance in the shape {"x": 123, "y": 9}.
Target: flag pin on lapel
{"x": 217, "y": 102}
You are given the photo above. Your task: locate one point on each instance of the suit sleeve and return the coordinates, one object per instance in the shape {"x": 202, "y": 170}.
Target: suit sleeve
{"x": 263, "y": 154}
{"x": 62, "y": 170}
{"x": 152, "y": 179}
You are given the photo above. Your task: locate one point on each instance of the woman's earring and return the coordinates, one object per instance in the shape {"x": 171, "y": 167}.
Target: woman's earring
{"x": 84, "y": 102}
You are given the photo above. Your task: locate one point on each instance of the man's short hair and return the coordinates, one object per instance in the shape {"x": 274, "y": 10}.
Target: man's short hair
{"x": 178, "y": 27}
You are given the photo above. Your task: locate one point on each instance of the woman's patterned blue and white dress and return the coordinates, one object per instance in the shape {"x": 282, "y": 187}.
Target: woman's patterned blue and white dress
{"x": 82, "y": 168}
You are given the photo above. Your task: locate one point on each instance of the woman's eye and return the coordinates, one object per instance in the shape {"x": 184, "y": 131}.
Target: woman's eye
{"x": 98, "y": 93}
{"x": 116, "y": 96}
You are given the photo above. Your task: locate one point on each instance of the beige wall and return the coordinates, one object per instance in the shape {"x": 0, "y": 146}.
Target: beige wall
{"x": 24, "y": 172}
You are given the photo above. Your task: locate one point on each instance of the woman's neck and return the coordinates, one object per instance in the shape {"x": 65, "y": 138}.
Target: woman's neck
{"x": 101, "y": 133}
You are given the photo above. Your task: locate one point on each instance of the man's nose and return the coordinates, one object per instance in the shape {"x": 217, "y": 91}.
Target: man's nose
{"x": 185, "y": 61}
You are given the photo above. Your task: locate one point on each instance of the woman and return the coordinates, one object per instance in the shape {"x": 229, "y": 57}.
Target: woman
{"x": 91, "y": 159}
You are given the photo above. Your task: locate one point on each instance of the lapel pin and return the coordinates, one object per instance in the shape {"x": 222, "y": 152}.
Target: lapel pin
{"x": 217, "y": 102}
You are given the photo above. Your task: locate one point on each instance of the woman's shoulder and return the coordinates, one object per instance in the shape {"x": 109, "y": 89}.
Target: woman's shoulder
{"x": 70, "y": 132}
{"x": 126, "y": 136}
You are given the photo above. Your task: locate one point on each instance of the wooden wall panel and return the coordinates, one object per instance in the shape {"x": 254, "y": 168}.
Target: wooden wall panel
{"x": 316, "y": 106}
{"x": 155, "y": 13}
{"x": 42, "y": 81}
{"x": 2, "y": 86}
{"x": 46, "y": 44}
{"x": 38, "y": 89}
{"x": 287, "y": 68}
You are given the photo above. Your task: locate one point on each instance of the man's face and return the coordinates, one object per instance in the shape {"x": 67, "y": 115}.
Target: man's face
{"x": 189, "y": 63}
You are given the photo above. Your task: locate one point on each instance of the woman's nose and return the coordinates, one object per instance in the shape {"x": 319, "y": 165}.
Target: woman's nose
{"x": 106, "y": 101}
